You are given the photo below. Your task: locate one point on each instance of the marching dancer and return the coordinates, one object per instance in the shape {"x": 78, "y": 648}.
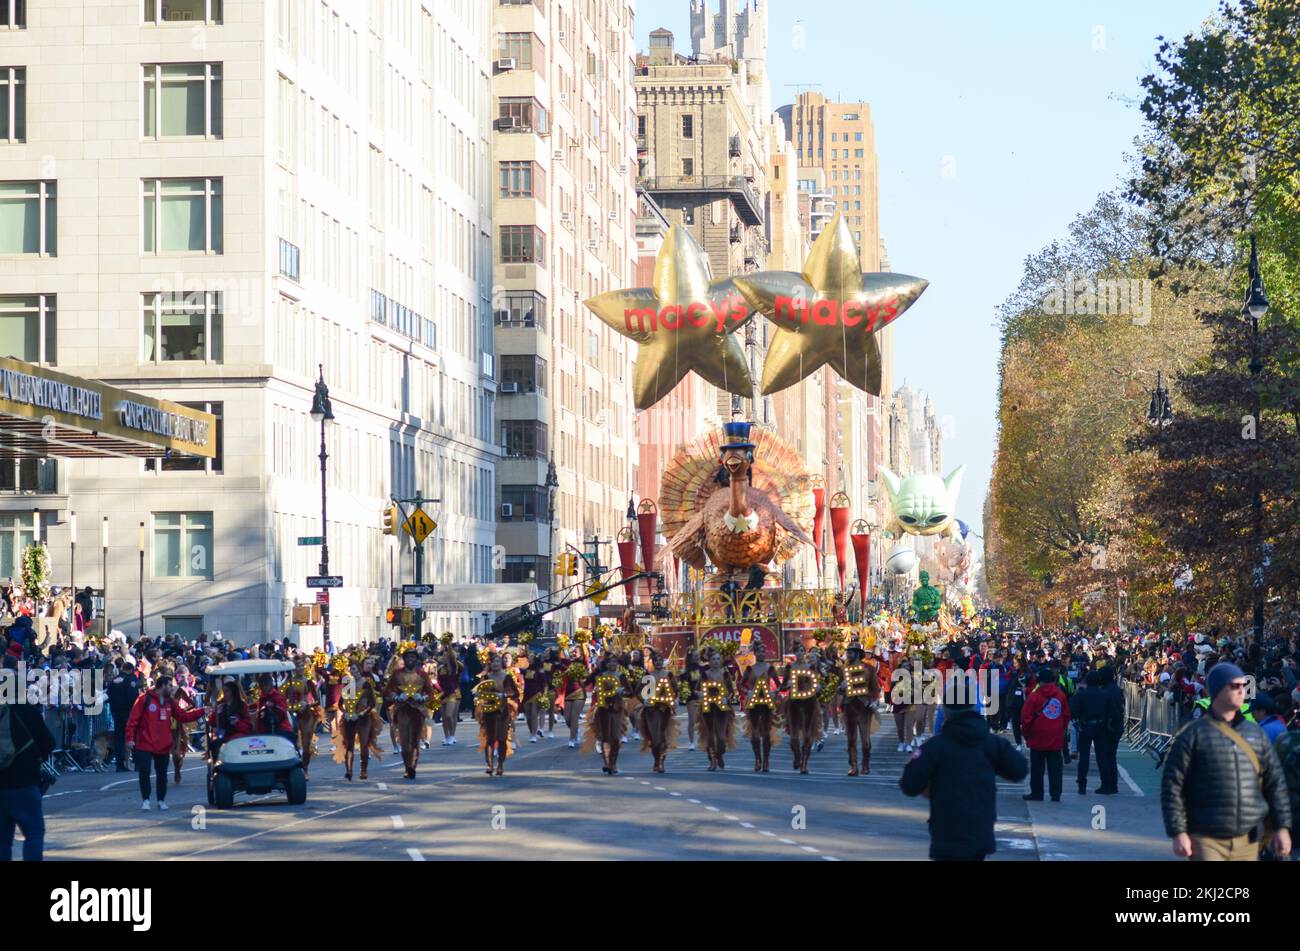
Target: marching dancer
{"x": 409, "y": 691}
{"x": 762, "y": 685}
{"x": 496, "y": 704}
{"x": 360, "y": 706}
{"x": 449, "y": 671}
{"x": 605, "y": 721}
{"x": 717, "y": 719}
{"x": 860, "y": 689}
{"x": 802, "y": 708}
{"x": 659, "y": 703}
{"x": 693, "y": 676}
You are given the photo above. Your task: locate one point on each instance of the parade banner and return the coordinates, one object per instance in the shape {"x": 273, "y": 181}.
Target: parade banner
{"x": 840, "y": 529}
{"x": 627, "y": 565}
{"x": 819, "y": 520}
{"x": 647, "y": 520}
{"x": 861, "y": 539}
{"x": 732, "y": 632}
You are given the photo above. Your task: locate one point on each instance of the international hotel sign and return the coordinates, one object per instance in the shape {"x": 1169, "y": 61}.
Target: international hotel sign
{"x": 45, "y": 412}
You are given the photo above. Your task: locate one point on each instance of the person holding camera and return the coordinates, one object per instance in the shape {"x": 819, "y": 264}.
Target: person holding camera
{"x": 149, "y": 733}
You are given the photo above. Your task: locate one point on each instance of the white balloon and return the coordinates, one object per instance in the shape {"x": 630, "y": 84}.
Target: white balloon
{"x": 901, "y": 561}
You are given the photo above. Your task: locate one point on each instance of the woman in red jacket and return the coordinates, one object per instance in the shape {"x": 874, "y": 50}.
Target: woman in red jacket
{"x": 149, "y": 732}
{"x": 1044, "y": 720}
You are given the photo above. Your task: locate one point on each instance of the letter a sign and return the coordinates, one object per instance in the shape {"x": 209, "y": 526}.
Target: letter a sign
{"x": 419, "y": 525}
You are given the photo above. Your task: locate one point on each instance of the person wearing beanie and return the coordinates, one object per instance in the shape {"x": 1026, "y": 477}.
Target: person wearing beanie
{"x": 1223, "y": 781}
{"x": 958, "y": 770}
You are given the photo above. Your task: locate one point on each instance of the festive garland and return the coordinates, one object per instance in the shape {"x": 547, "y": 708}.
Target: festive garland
{"x": 526, "y": 637}
{"x": 36, "y": 572}
{"x": 827, "y": 692}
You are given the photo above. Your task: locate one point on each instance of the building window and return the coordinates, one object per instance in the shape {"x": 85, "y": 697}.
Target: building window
{"x": 523, "y": 569}
{"x": 522, "y": 180}
{"x": 17, "y": 531}
{"x": 13, "y": 14}
{"x": 521, "y": 309}
{"x": 182, "y": 544}
{"x": 523, "y": 48}
{"x": 523, "y": 438}
{"x": 857, "y": 153}
{"x": 179, "y": 463}
{"x": 182, "y": 327}
{"x": 688, "y": 167}
{"x": 688, "y": 127}
{"x": 29, "y": 476}
{"x": 522, "y": 244}
{"x": 688, "y": 215}
{"x": 28, "y": 328}
{"x": 857, "y": 136}
{"x": 13, "y": 103}
{"x": 189, "y": 628}
{"x": 181, "y": 99}
{"x": 640, "y": 126}
{"x": 527, "y": 115}
{"x": 28, "y": 217}
{"x": 528, "y": 503}
{"x": 526, "y": 371}
{"x": 182, "y": 11}
{"x": 182, "y": 215}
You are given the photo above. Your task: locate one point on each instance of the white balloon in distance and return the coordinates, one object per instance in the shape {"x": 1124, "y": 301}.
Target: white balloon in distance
{"x": 901, "y": 561}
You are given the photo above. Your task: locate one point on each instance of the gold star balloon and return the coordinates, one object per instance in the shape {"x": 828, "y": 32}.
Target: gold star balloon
{"x": 684, "y": 322}
{"x": 829, "y": 313}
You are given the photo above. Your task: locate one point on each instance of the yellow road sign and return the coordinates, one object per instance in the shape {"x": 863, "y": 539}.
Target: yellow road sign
{"x": 596, "y": 598}
{"x": 419, "y": 525}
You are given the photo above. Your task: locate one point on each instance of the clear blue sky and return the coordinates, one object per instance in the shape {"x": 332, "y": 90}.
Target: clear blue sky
{"x": 1036, "y": 102}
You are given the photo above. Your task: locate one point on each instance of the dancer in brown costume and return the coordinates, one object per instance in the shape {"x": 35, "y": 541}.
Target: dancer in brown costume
{"x": 860, "y": 690}
{"x": 496, "y": 704}
{"x": 409, "y": 690}
{"x": 360, "y": 705}
{"x": 803, "y": 717}
{"x": 761, "y": 685}
{"x": 659, "y": 703}
{"x": 605, "y": 721}
{"x": 717, "y": 719}
{"x": 303, "y": 699}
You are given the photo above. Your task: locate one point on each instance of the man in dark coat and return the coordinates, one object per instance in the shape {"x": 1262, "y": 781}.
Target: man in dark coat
{"x": 25, "y": 743}
{"x": 1107, "y": 745}
{"x": 1222, "y": 780}
{"x": 123, "y": 688}
{"x": 958, "y": 770}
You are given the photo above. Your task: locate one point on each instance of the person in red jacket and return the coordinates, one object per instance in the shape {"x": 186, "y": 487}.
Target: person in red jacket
{"x": 273, "y": 710}
{"x": 149, "y": 733}
{"x": 231, "y": 718}
{"x": 1044, "y": 720}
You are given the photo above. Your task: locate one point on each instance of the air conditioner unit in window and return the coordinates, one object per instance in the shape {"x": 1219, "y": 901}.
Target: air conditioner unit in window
{"x": 506, "y": 122}
{"x": 558, "y": 155}
{"x": 507, "y": 510}
{"x": 564, "y": 98}
{"x": 566, "y": 218}
{"x": 622, "y": 169}
{"x": 561, "y": 35}
{"x": 510, "y": 387}
{"x": 591, "y": 188}
{"x": 504, "y": 65}
{"x": 591, "y": 245}
{"x": 613, "y": 216}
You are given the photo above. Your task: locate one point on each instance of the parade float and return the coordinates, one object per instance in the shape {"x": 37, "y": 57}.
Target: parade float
{"x": 738, "y": 502}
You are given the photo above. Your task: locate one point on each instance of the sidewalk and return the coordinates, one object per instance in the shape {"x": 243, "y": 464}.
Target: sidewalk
{"x": 1122, "y": 828}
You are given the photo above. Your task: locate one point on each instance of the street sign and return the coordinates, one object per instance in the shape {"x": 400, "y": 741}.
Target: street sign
{"x": 417, "y": 589}
{"x": 310, "y": 540}
{"x": 419, "y": 525}
{"x": 592, "y": 590}
{"x": 413, "y": 600}
{"x": 323, "y": 597}
{"x": 324, "y": 581}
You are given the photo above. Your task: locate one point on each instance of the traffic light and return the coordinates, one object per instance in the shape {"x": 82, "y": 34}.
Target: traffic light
{"x": 391, "y": 522}
{"x": 567, "y": 565}
{"x": 393, "y": 615}
{"x": 573, "y": 566}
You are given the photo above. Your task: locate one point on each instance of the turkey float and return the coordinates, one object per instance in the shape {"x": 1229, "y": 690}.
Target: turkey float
{"x": 737, "y": 503}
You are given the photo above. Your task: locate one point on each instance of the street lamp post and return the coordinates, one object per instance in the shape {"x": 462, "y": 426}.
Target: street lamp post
{"x": 322, "y": 411}
{"x": 103, "y": 544}
{"x": 1255, "y": 308}
{"x": 142, "y": 579}
{"x": 72, "y": 562}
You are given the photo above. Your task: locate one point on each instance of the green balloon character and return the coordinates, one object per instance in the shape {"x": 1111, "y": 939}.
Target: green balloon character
{"x": 926, "y": 601}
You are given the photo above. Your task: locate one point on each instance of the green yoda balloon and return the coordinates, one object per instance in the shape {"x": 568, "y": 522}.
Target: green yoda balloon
{"x": 924, "y": 504}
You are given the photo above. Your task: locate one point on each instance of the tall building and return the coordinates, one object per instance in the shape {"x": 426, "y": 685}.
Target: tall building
{"x": 210, "y": 201}
{"x": 702, "y": 163}
{"x": 566, "y": 210}
{"x": 923, "y": 432}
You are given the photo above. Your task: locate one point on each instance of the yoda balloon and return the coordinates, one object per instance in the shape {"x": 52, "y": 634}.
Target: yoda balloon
{"x": 924, "y": 504}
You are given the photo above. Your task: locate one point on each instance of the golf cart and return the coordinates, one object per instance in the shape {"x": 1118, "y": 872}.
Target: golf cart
{"x": 256, "y": 764}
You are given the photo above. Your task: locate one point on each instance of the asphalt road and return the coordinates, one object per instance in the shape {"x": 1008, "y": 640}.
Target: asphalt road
{"x": 554, "y": 803}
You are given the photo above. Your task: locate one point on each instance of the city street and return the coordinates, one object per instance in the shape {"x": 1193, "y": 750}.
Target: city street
{"x": 554, "y": 803}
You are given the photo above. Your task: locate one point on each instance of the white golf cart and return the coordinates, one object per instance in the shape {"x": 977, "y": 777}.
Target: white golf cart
{"x": 257, "y": 764}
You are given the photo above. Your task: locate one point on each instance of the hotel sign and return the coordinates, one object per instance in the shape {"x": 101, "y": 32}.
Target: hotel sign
{"x": 79, "y": 417}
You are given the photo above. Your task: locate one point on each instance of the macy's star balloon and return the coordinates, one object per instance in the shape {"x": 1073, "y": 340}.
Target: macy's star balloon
{"x": 829, "y": 313}
{"x": 684, "y": 322}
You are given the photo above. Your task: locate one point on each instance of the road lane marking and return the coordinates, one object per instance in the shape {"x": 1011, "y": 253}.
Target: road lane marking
{"x": 712, "y": 808}
{"x": 381, "y": 786}
{"x": 747, "y": 825}
{"x": 771, "y": 834}
{"x": 660, "y": 789}
{"x": 830, "y": 858}
{"x": 696, "y": 801}
{"x": 415, "y": 854}
{"x": 397, "y": 822}
{"x": 787, "y": 841}
{"x": 733, "y": 818}
{"x": 674, "y": 794}
{"x": 809, "y": 848}
{"x": 1128, "y": 780}
{"x": 290, "y": 825}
